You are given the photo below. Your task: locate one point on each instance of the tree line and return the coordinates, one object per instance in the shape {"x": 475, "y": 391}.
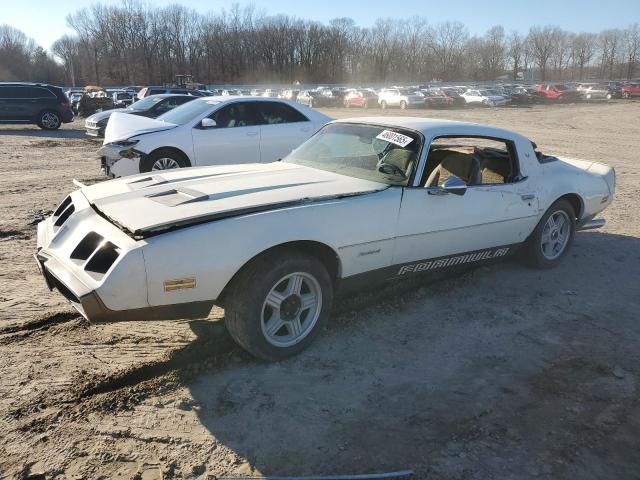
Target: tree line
{"x": 136, "y": 43}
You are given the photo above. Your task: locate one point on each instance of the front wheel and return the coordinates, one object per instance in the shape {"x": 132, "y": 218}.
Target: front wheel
{"x": 163, "y": 159}
{"x": 552, "y": 237}
{"x": 278, "y": 303}
{"x": 49, "y": 120}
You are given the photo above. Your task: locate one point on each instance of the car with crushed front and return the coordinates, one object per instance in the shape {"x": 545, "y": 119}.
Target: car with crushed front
{"x": 207, "y": 131}
{"x": 363, "y": 202}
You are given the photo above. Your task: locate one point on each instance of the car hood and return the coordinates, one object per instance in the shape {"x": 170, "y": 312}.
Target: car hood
{"x": 151, "y": 203}
{"x": 123, "y": 126}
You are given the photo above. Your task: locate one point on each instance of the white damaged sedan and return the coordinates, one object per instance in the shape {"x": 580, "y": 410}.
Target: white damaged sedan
{"x": 207, "y": 131}
{"x": 363, "y": 201}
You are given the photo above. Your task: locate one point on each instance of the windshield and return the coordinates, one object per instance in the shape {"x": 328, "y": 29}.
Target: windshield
{"x": 145, "y": 103}
{"x": 381, "y": 154}
{"x": 187, "y": 111}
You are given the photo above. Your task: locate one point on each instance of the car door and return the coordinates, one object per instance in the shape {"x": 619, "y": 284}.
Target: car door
{"x": 282, "y": 128}
{"x": 234, "y": 139}
{"x": 488, "y": 216}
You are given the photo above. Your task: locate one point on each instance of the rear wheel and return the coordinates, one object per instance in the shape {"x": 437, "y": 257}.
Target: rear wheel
{"x": 278, "y": 303}
{"x": 163, "y": 159}
{"x": 552, "y": 237}
{"x": 49, "y": 120}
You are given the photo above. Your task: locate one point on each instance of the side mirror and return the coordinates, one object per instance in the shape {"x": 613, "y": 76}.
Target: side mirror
{"x": 454, "y": 185}
{"x": 207, "y": 123}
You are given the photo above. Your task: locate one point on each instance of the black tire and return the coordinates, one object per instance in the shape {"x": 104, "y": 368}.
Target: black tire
{"x": 150, "y": 160}
{"x": 533, "y": 252}
{"x": 247, "y": 294}
{"x": 49, "y": 120}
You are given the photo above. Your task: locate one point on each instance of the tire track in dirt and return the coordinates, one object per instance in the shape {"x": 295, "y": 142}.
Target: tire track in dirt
{"x": 13, "y": 332}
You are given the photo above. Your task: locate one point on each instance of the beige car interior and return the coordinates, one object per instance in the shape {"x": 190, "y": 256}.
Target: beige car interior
{"x": 473, "y": 165}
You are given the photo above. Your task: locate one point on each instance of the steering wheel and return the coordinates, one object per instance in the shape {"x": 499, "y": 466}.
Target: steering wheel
{"x": 391, "y": 169}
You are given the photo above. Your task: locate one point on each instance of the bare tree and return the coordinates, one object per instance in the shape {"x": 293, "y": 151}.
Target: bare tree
{"x": 631, "y": 40}
{"x": 584, "y": 49}
{"x": 543, "y": 42}
{"x": 447, "y": 42}
{"x": 66, "y": 49}
{"x": 515, "y": 52}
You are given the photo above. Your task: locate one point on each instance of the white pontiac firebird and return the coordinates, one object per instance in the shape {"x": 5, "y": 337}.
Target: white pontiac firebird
{"x": 363, "y": 200}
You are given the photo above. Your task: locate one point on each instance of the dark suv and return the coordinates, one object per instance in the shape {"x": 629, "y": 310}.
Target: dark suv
{"x": 45, "y": 105}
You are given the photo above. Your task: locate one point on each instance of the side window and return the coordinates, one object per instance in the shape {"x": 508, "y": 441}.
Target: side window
{"x": 271, "y": 113}
{"x": 475, "y": 160}
{"x": 241, "y": 114}
{"x": 38, "y": 92}
{"x": 157, "y": 91}
{"x": 165, "y": 105}
{"x": 181, "y": 100}
{"x": 13, "y": 92}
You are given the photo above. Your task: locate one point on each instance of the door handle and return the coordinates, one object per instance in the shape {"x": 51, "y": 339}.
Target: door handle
{"x": 252, "y": 134}
{"x": 527, "y": 197}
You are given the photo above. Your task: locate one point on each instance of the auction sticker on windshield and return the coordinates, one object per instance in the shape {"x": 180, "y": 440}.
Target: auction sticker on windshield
{"x": 395, "y": 138}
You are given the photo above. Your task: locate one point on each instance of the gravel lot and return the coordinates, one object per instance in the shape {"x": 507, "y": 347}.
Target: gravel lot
{"x": 501, "y": 372}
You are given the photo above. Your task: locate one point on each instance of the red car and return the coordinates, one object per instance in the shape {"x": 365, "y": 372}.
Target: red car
{"x": 361, "y": 98}
{"x": 555, "y": 92}
{"x": 436, "y": 98}
{"x": 631, "y": 90}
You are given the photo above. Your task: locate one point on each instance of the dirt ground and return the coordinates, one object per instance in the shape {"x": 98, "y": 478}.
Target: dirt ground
{"x": 502, "y": 372}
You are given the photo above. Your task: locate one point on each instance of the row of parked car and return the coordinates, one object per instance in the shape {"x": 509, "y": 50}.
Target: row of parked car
{"x": 458, "y": 96}
{"x": 49, "y": 106}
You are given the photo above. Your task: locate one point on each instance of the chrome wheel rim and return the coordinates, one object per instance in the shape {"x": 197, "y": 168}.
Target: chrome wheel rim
{"x": 50, "y": 120}
{"x": 291, "y": 309}
{"x": 555, "y": 235}
{"x": 165, "y": 164}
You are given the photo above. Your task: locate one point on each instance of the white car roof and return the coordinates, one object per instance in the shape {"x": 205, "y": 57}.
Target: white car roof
{"x": 309, "y": 112}
{"x": 430, "y": 126}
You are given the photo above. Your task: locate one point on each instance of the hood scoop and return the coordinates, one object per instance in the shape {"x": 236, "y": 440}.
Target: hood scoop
{"x": 184, "y": 195}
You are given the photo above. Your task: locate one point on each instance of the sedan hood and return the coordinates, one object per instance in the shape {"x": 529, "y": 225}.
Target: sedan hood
{"x": 96, "y": 117}
{"x": 123, "y": 126}
{"x": 148, "y": 204}
{"x": 105, "y": 114}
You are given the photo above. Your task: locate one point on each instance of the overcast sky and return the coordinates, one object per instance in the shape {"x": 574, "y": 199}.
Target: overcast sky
{"x": 44, "y": 20}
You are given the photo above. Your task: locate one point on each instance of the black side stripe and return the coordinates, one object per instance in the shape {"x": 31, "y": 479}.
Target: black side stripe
{"x": 405, "y": 270}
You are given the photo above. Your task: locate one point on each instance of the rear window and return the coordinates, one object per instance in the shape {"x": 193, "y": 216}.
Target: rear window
{"x": 39, "y": 92}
